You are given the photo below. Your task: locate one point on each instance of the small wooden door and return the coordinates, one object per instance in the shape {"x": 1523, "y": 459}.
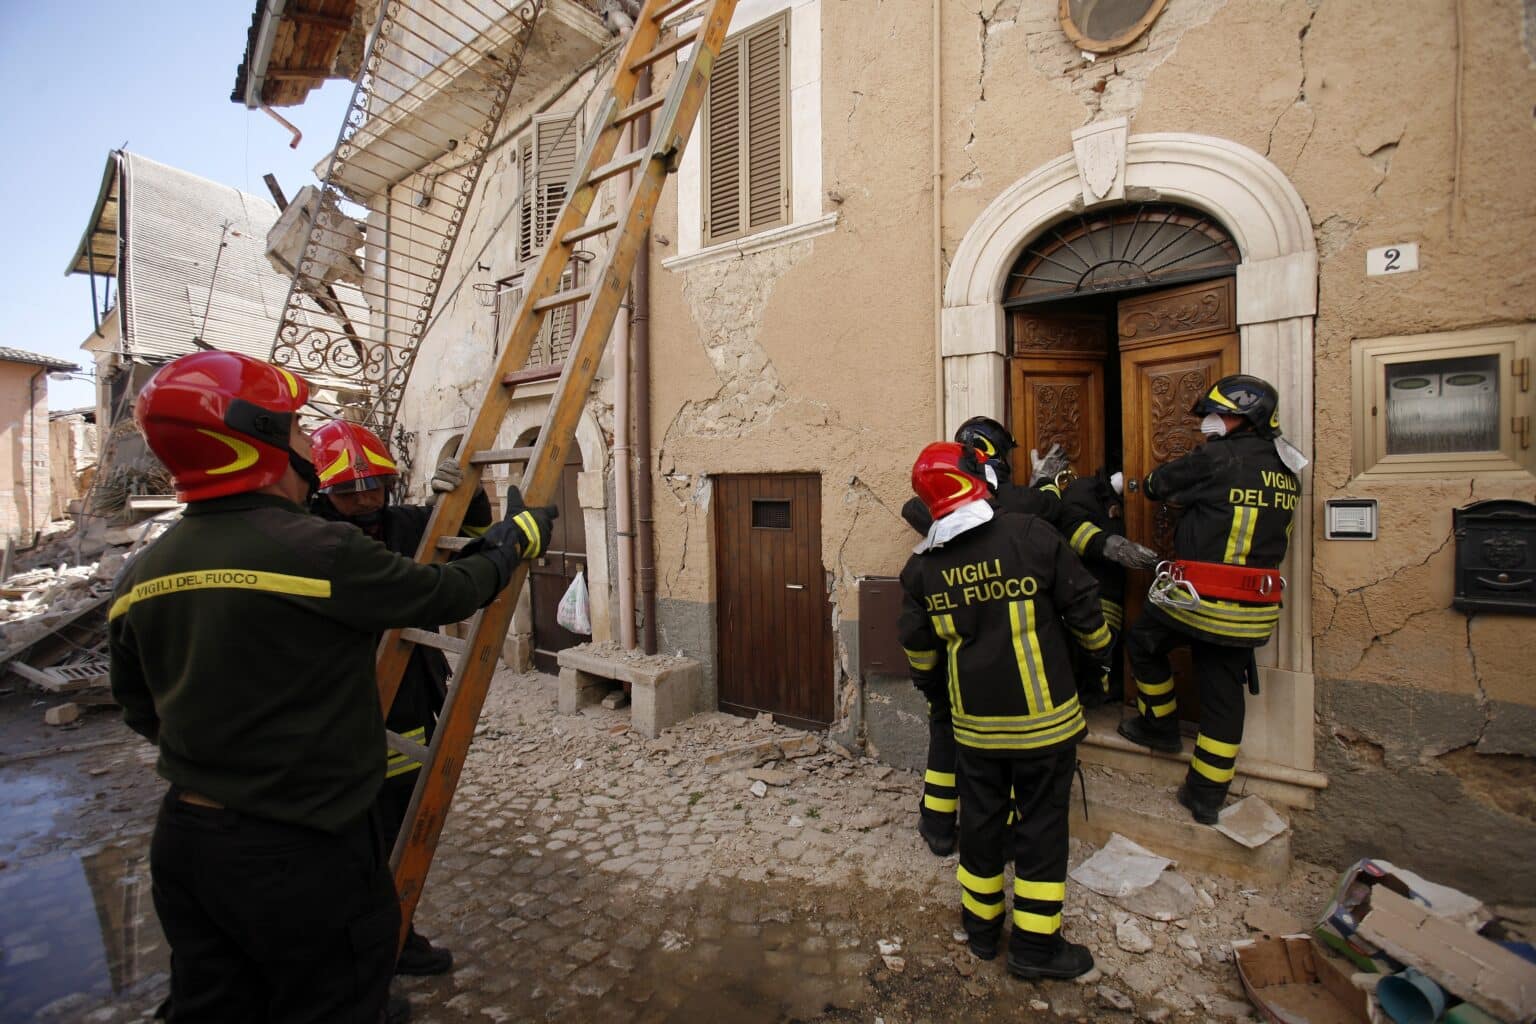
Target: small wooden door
{"x": 1174, "y": 344}
{"x": 551, "y": 573}
{"x": 773, "y": 617}
{"x": 1056, "y": 387}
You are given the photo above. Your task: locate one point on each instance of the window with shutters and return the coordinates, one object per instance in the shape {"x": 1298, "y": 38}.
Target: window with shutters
{"x": 546, "y": 157}
{"x": 559, "y": 329}
{"x": 746, "y": 134}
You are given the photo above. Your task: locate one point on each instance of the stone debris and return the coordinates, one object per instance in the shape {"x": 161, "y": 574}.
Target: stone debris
{"x": 1169, "y": 898}
{"x": 615, "y": 700}
{"x": 1271, "y": 920}
{"x": 894, "y": 964}
{"x": 759, "y": 788}
{"x": 1120, "y": 868}
{"x": 1039, "y": 1005}
{"x": 772, "y": 776}
{"x": 1250, "y": 822}
{"x": 62, "y": 714}
{"x": 1130, "y": 937}
{"x": 888, "y": 947}
{"x": 1115, "y": 999}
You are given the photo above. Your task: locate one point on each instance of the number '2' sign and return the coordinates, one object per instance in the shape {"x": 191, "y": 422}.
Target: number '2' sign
{"x": 1392, "y": 259}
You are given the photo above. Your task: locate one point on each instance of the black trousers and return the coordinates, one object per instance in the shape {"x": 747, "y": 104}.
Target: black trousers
{"x": 1042, "y": 790}
{"x": 271, "y": 923}
{"x": 939, "y": 799}
{"x": 1222, "y": 674}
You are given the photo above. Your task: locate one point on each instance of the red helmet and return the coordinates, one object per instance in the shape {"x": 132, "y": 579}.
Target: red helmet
{"x": 201, "y": 414}
{"x": 945, "y": 476}
{"x": 350, "y": 457}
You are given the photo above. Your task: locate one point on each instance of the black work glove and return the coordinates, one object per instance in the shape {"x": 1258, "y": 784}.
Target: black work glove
{"x": 522, "y": 534}
{"x": 1128, "y": 553}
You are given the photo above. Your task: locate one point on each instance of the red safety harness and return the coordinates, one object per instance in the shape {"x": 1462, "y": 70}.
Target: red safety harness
{"x": 1228, "y": 582}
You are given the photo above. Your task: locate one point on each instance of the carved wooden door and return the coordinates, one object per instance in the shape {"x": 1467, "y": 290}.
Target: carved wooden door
{"x": 1056, "y": 387}
{"x": 1174, "y": 344}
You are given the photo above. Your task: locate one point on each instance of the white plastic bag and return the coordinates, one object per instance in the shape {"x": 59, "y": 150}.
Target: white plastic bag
{"x": 573, "y": 613}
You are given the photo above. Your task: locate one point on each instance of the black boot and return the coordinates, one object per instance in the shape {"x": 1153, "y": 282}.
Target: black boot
{"x": 1205, "y": 809}
{"x": 940, "y": 840}
{"x": 420, "y": 957}
{"x": 1164, "y": 738}
{"x": 1070, "y": 960}
{"x": 397, "y": 1010}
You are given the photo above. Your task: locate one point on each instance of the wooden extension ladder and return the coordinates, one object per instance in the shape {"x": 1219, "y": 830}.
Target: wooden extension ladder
{"x": 675, "y": 112}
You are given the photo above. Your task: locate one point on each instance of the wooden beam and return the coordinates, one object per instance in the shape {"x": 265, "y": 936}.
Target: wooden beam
{"x": 334, "y": 21}
{"x": 297, "y": 74}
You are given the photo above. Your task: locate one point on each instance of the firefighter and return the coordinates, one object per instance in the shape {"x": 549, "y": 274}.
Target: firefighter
{"x": 356, "y": 474}
{"x": 1221, "y": 597}
{"x": 242, "y": 644}
{"x": 992, "y": 442}
{"x": 1093, "y": 521}
{"x": 984, "y": 598}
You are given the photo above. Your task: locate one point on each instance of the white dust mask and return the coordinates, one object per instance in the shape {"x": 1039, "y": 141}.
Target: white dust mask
{"x": 1212, "y": 425}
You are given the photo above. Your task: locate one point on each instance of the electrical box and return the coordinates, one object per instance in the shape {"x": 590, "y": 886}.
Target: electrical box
{"x": 880, "y": 652}
{"x": 1496, "y": 557}
{"x": 1349, "y": 519}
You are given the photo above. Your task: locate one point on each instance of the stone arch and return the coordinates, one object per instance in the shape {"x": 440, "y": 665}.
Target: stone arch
{"x": 1276, "y": 305}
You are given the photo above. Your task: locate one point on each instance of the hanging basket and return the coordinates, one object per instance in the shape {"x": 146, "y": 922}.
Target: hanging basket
{"x": 485, "y": 294}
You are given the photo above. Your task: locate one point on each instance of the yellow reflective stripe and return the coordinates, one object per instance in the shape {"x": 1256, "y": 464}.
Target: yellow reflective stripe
{"x": 398, "y": 763}
{"x": 1223, "y": 627}
{"x": 1047, "y": 891}
{"x": 1216, "y": 747}
{"x": 1082, "y": 535}
{"x": 939, "y": 778}
{"x": 922, "y": 661}
{"x": 944, "y": 627}
{"x": 1020, "y": 740}
{"x": 1214, "y": 774}
{"x": 1052, "y": 489}
{"x": 530, "y": 528}
{"x": 339, "y": 464}
{"x": 977, "y": 884}
{"x": 1155, "y": 689}
{"x": 1068, "y": 708}
{"x": 293, "y": 384}
{"x": 1157, "y": 710}
{"x": 245, "y": 454}
{"x": 947, "y": 805}
{"x": 985, "y": 911}
{"x": 1240, "y": 537}
{"x": 402, "y": 768}
{"x": 221, "y": 579}
{"x": 1095, "y": 640}
{"x": 1114, "y": 615}
{"x": 1026, "y": 651}
{"x": 474, "y": 531}
{"x": 379, "y": 460}
{"x": 1040, "y": 924}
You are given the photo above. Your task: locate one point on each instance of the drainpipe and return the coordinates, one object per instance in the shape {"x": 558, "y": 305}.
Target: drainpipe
{"x": 624, "y": 525}
{"x": 938, "y": 232}
{"x": 640, "y": 339}
{"x": 32, "y": 452}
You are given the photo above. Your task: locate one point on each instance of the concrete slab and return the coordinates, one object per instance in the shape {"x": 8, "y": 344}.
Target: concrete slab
{"x": 663, "y": 690}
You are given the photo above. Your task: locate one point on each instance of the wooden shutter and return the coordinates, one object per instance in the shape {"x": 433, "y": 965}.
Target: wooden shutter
{"x": 767, "y": 73}
{"x": 557, "y": 143}
{"x": 722, "y": 147}
{"x": 527, "y": 189}
{"x": 746, "y": 134}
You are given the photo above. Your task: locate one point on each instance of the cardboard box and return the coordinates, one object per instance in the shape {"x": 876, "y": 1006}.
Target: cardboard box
{"x": 1291, "y": 980}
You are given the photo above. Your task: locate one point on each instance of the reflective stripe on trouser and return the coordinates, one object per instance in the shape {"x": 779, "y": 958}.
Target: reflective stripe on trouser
{"x": 939, "y": 801}
{"x": 398, "y": 763}
{"x": 1221, "y": 675}
{"x": 1042, "y": 788}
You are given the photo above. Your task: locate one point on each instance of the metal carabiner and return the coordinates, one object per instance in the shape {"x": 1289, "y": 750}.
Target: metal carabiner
{"x": 1173, "y": 593}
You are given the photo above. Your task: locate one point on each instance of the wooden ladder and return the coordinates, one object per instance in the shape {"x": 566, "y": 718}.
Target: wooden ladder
{"x": 675, "y": 112}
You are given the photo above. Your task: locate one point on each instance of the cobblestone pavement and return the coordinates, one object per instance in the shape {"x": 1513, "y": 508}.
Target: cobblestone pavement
{"x": 732, "y": 868}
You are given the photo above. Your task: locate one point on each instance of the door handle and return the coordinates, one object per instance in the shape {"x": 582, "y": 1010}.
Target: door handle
{"x": 794, "y": 586}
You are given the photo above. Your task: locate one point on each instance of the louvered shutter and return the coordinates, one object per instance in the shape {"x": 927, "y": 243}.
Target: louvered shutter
{"x": 746, "y": 134}
{"x": 557, "y": 145}
{"x": 767, "y": 122}
{"x": 527, "y": 189}
{"x": 722, "y": 147}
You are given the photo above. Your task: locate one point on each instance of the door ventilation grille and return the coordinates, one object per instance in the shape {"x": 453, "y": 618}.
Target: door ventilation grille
{"x": 770, "y": 515}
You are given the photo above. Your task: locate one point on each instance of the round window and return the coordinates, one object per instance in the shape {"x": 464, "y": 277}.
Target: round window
{"x": 1100, "y": 26}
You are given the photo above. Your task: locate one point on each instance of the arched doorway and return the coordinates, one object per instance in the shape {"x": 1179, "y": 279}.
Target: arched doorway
{"x": 1117, "y": 321}
{"x": 1274, "y": 301}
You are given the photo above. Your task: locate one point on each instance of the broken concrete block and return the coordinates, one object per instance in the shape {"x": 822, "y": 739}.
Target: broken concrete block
{"x": 1130, "y": 937}
{"x": 772, "y": 776}
{"x": 800, "y": 746}
{"x": 63, "y": 714}
{"x": 759, "y": 788}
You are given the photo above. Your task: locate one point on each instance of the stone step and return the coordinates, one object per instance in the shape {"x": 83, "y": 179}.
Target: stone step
{"x": 1143, "y": 808}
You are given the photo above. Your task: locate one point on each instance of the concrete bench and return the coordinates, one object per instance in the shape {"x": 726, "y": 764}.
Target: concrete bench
{"x": 663, "y": 690}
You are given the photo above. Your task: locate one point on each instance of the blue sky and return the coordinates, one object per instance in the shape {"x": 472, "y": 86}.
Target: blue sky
{"x": 82, "y": 79}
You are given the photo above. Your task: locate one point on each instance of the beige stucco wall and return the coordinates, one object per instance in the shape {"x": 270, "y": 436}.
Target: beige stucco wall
{"x": 24, "y": 486}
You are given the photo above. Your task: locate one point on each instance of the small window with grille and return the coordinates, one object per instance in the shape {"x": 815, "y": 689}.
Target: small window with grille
{"x": 746, "y": 134}
{"x": 770, "y": 514}
{"x": 559, "y": 329}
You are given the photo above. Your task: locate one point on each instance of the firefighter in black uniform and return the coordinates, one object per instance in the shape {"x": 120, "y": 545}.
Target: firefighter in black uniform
{"x": 242, "y": 644}
{"x": 992, "y": 442}
{"x": 1093, "y": 521}
{"x": 1237, "y": 492}
{"x": 984, "y": 599}
{"x": 356, "y": 473}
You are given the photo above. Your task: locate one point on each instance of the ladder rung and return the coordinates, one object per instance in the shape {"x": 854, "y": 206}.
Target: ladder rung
{"x": 589, "y": 230}
{"x": 500, "y": 456}
{"x": 662, "y": 49}
{"x": 566, "y": 298}
{"x": 671, "y": 7}
{"x": 533, "y": 374}
{"x": 640, "y": 108}
{"x": 428, "y": 638}
{"x": 454, "y": 543}
{"x": 410, "y": 748}
{"x": 618, "y": 165}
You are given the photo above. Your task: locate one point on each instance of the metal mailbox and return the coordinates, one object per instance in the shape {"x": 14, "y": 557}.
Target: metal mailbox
{"x": 1496, "y": 557}
{"x": 880, "y": 650}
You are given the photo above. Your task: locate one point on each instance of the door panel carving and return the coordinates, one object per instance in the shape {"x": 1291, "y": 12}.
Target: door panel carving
{"x": 1058, "y": 401}
{"x": 1177, "y": 313}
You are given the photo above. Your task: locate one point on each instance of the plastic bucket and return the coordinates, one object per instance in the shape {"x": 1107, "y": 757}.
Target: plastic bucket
{"x": 1411, "y": 998}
